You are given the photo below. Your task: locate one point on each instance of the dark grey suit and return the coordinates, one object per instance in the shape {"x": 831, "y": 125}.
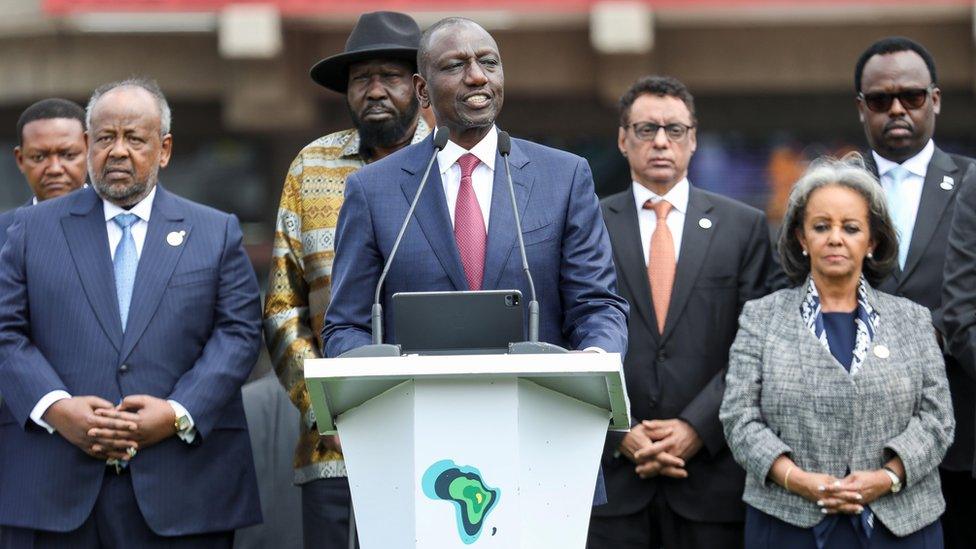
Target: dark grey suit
{"x": 922, "y": 282}
{"x": 681, "y": 373}
{"x": 786, "y": 394}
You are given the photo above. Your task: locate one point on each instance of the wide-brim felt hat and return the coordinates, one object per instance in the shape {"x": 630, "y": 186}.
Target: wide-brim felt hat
{"x": 377, "y": 35}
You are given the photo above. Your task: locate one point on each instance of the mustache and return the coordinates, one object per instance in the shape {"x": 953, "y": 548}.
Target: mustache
{"x": 899, "y": 124}
{"x": 377, "y": 108}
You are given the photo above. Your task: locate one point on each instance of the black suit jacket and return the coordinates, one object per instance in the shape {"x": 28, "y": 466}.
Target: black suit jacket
{"x": 922, "y": 282}
{"x": 681, "y": 373}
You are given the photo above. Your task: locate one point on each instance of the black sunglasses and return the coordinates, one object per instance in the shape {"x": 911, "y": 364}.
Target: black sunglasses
{"x": 881, "y": 101}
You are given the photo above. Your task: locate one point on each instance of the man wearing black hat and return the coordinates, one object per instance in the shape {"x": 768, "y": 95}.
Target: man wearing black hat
{"x": 375, "y": 73}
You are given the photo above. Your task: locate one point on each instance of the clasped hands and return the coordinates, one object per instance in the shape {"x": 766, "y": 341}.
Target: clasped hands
{"x": 846, "y": 495}
{"x": 660, "y": 447}
{"x": 105, "y": 431}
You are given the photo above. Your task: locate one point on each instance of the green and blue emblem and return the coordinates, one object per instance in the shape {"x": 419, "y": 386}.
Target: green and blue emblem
{"x": 462, "y": 486}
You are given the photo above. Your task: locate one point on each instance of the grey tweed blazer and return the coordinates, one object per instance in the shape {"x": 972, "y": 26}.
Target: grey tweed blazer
{"x": 786, "y": 394}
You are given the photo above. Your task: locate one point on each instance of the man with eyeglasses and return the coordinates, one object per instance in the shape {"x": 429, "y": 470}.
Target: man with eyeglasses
{"x": 898, "y": 100}
{"x": 687, "y": 260}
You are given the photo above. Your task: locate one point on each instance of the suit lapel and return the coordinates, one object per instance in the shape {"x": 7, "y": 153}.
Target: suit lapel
{"x": 431, "y": 214}
{"x": 87, "y": 238}
{"x": 623, "y": 225}
{"x": 932, "y": 206}
{"x": 156, "y": 265}
{"x": 694, "y": 249}
{"x": 501, "y": 224}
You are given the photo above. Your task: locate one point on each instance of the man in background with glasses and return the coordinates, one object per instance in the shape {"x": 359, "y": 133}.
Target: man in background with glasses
{"x": 897, "y": 101}
{"x": 687, "y": 260}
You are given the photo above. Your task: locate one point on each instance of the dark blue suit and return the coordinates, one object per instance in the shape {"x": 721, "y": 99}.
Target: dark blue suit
{"x": 565, "y": 237}
{"x": 6, "y": 220}
{"x": 193, "y": 336}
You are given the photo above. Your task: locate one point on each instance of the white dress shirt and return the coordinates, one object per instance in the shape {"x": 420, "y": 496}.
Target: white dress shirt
{"x": 647, "y": 219}
{"x": 142, "y": 210}
{"x": 909, "y": 193}
{"x": 482, "y": 178}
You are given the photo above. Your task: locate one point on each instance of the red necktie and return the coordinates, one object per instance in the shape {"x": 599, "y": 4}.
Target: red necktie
{"x": 469, "y": 225}
{"x": 661, "y": 262}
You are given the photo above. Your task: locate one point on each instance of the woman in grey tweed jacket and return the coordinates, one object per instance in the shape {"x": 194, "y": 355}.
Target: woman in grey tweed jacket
{"x": 836, "y": 399}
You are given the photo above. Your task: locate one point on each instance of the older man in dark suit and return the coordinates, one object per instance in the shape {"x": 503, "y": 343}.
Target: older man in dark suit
{"x": 898, "y": 100}
{"x": 129, "y": 318}
{"x": 687, "y": 261}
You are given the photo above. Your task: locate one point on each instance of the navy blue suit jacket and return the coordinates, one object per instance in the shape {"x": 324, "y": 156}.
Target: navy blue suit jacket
{"x": 7, "y": 219}
{"x": 193, "y": 336}
{"x": 566, "y": 242}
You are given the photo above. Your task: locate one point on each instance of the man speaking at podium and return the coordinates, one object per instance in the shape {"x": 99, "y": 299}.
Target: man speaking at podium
{"x": 463, "y": 235}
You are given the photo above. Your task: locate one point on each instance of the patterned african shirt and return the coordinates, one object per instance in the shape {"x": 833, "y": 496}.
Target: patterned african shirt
{"x": 300, "y": 281}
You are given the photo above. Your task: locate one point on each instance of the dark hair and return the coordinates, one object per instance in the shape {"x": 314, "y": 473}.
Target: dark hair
{"x": 668, "y": 86}
{"x": 892, "y": 44}
{"x": 850, "y": 173}
{"x": 424, "y": 49}
{"x": 46, "y": 109}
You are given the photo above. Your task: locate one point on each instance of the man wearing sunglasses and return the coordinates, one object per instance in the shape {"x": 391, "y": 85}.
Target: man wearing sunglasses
{"x": 687, "y": 260}
{"x": 898, "y": 100}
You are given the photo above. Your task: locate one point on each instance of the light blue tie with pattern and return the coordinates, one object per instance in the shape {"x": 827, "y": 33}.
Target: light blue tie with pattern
{"x": 126, "y": 261}
{"x": 900, "y": 209}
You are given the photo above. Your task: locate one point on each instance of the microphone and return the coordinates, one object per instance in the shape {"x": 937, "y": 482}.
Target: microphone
{"x": 533, "y": 345}
{"x": 378, "y": 348}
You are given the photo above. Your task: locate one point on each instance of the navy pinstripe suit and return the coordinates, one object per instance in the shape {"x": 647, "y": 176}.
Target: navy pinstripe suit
{"x": 193, "y": 335}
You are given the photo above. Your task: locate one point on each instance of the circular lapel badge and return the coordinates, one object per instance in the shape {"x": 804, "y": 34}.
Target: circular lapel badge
{"x": 705, "y": 223}
{"x": 175, "y": 238}
{"x": 881, "y": 351}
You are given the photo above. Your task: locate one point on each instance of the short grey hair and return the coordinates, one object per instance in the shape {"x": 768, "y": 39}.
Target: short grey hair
{"x": 148, "y": 84}
{"x": 848, "y": 172}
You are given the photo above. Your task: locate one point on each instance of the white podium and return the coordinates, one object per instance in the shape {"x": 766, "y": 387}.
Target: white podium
{"x": 498, "y": 451}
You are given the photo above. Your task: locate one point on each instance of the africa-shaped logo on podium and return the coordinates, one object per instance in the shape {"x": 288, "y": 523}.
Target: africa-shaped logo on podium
{"x": 462, "y": 486}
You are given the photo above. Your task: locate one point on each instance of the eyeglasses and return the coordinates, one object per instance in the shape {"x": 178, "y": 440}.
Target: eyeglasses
{"x": 912, "y": 98}
{"x": 647, "y": 131}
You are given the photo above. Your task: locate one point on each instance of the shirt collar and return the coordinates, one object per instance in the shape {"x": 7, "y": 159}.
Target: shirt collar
{"x": 485, "y": 151}
{"x": 916, "y": 165}
{"x": 677, "y": 196}
{"x": 142, "y": 209}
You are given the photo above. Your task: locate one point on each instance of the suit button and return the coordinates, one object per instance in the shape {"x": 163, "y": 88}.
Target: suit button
{"x": 124, "y": 368}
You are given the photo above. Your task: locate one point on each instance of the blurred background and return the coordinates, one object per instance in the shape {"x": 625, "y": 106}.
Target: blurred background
{"x": 773, "y": 80}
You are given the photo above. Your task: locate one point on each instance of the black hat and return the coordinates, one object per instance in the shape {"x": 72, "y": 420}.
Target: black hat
{"x": 381, "y": 34}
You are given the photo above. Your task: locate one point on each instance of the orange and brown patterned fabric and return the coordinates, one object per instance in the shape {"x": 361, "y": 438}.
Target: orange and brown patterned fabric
{"x": 300, "y": 281}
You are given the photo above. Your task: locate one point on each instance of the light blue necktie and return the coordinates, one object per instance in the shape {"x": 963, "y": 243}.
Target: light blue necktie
{"x": 900, "y": 209}
{"x": 126, "y": 261}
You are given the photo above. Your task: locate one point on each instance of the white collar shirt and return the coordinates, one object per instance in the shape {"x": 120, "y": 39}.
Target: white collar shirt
{"x": 647, "y": 219}
{"x": 142, "y": 210}
{"x": 482, "y": 178}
